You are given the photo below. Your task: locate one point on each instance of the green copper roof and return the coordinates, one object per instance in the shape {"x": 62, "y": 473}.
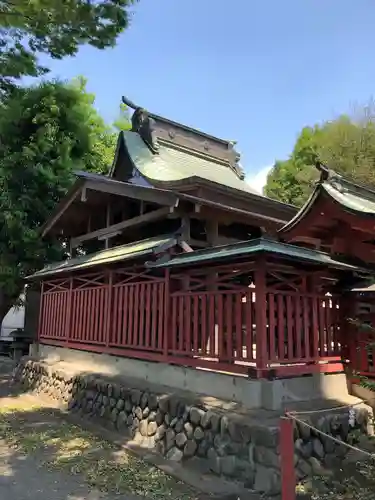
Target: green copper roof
{"x": 248, "y": 248}
{"x": 123, "y": 252}
{"x": 172, "y": 164}
{"x": 351, "y": 198}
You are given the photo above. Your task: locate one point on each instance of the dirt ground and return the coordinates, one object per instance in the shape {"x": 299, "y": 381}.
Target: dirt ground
{"x": 44, "y": 457}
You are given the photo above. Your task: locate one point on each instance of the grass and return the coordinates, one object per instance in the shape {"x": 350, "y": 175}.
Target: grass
{"x": 59, "y": 445}
{"x": 354, "y": 483}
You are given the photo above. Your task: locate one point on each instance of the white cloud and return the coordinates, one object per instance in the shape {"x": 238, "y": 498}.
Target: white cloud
{"x": 258, "y": 181}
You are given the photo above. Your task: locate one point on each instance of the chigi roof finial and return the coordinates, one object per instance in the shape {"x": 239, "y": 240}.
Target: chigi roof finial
{"x": 143, "y": 124}
{"x": 324, "y": 171}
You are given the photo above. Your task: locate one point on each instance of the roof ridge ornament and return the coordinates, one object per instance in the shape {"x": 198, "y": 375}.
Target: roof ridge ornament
{"x": 326, "y": 173}
{"x": 143, "y": 124}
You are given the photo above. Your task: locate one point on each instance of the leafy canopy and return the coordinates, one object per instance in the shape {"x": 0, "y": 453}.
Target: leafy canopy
{"x": 346, "y": 144}
{"x": 56, "y": 28}
{"x": 47, "y": 131}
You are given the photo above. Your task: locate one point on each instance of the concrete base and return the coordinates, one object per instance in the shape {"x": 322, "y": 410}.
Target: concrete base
{"x": 251, "y": 394}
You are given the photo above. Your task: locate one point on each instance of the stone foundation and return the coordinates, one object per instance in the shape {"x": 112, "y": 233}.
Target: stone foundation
{"x": 315, "y": 453}
{"x": 184, "y": 430}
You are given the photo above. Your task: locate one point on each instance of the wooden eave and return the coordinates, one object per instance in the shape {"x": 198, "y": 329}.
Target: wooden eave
{"x": 249, "y": 251}
{"x": 132, "y": 254}
{"x": 333, "y": 200}
{"x": 260, "y": 207}
{"x": 320, "y": 213}
{"x": 103, "y": 186}
{"x": 87, "y": 182}
{"x": 62, "y": 206}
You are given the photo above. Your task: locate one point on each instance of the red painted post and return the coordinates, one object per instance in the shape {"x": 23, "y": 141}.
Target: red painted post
{"x": 348, "y": 333}
{"x": 68, "y": 317}
{"x": 288, "y": 473}
{"x": 41, "y": 313}
{"x": 281, "y": 326}
{"x": 108, "y": 313}
{"x": 167, "y": 323}
{"x": 261, "y": 316}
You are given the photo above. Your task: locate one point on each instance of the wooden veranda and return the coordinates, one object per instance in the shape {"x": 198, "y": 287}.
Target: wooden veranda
{"x": 259, "y": 308}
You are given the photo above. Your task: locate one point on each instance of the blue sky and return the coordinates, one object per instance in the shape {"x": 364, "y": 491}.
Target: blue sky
{"x": 255, "y": 71}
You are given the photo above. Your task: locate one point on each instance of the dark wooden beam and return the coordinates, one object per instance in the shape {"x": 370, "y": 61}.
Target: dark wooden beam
{"x": 62, "y": 206}
{"x": 120, "y": 226}
{"x": 212, "y": 231}
{"x": 135, "y": 192}
{"x": 185, "y": 228}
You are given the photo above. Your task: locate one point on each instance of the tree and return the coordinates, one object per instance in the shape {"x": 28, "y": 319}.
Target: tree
{"x": 47, "y": 131}
{"x": 104, "y": 137}
{"x": 346, "y": 144}
{"x": 56, "y": 28}
{"x": 123, "y": 121}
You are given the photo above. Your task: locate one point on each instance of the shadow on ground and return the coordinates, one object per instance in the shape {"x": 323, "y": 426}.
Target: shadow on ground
{"x": 45, "y": 441}
{"x": 83, "y": 457}
{"x": 45, "y": 454}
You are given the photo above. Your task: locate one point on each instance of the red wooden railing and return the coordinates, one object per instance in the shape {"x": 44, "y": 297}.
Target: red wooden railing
{"x": 362, "y": 347}
{"x": 52, "y": 322}
{"x": 302, "y": 328}
{"x": 233, "y": 329}
{"x": 213, "y": 325}
{"x": 137, "y": 316}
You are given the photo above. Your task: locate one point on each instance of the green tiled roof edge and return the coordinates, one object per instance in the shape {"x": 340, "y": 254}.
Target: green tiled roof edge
{"x": 123, "y": 252}
{"x": 172, "y": 165}
{"x": 251, "y": 247}
{"x": 349, "y": 199}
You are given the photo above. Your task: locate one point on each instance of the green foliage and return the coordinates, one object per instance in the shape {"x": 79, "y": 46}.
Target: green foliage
{"x": 56, "y": 28}
{"x": 99, "y": 156}
{"x": 123, "y": 121}
{"x": 47, "y": 131}
{"x": 347, "y": 145}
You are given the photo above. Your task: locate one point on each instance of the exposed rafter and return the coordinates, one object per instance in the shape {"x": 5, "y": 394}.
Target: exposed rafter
{"x": 115, "y": 229}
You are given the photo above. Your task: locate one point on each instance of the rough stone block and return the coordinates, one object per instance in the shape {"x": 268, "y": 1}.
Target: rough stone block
{"x": 198, "y": 434}
{"x": 181, "y": 439}
{"x": 174, "y": 454}
{"x": 266, "y": 480}
{"x": 190, "y": 448}
{"x": 196, "y": 415}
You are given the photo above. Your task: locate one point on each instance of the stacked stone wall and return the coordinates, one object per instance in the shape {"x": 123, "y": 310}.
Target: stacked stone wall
{"x": 186, "y": 431}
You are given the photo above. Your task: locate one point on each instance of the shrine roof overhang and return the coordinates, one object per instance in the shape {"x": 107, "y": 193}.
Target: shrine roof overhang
{"x": 104, "y": 186}
{"x": 174, "y": 164}
{"x": 130, "y": 251}
{"x": 333, "y": 200}
{"x": 257, "y": 247}
{"x": 183, "y": 165}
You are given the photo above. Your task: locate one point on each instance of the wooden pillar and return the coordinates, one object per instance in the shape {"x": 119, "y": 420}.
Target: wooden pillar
{"x": 108, "y": 312}
{"x": 68, "y": 316}
{"x": 288, "y": 472}
{"x": 41, "y": 312}
{"x": 212, "y": 232}
{"x": 108, "y": 223}
{"x": 313, "y": 288}
{"x": 349, "y": 334}
{"x": 261, "y": 314}
{"x": 167, "y": 323}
